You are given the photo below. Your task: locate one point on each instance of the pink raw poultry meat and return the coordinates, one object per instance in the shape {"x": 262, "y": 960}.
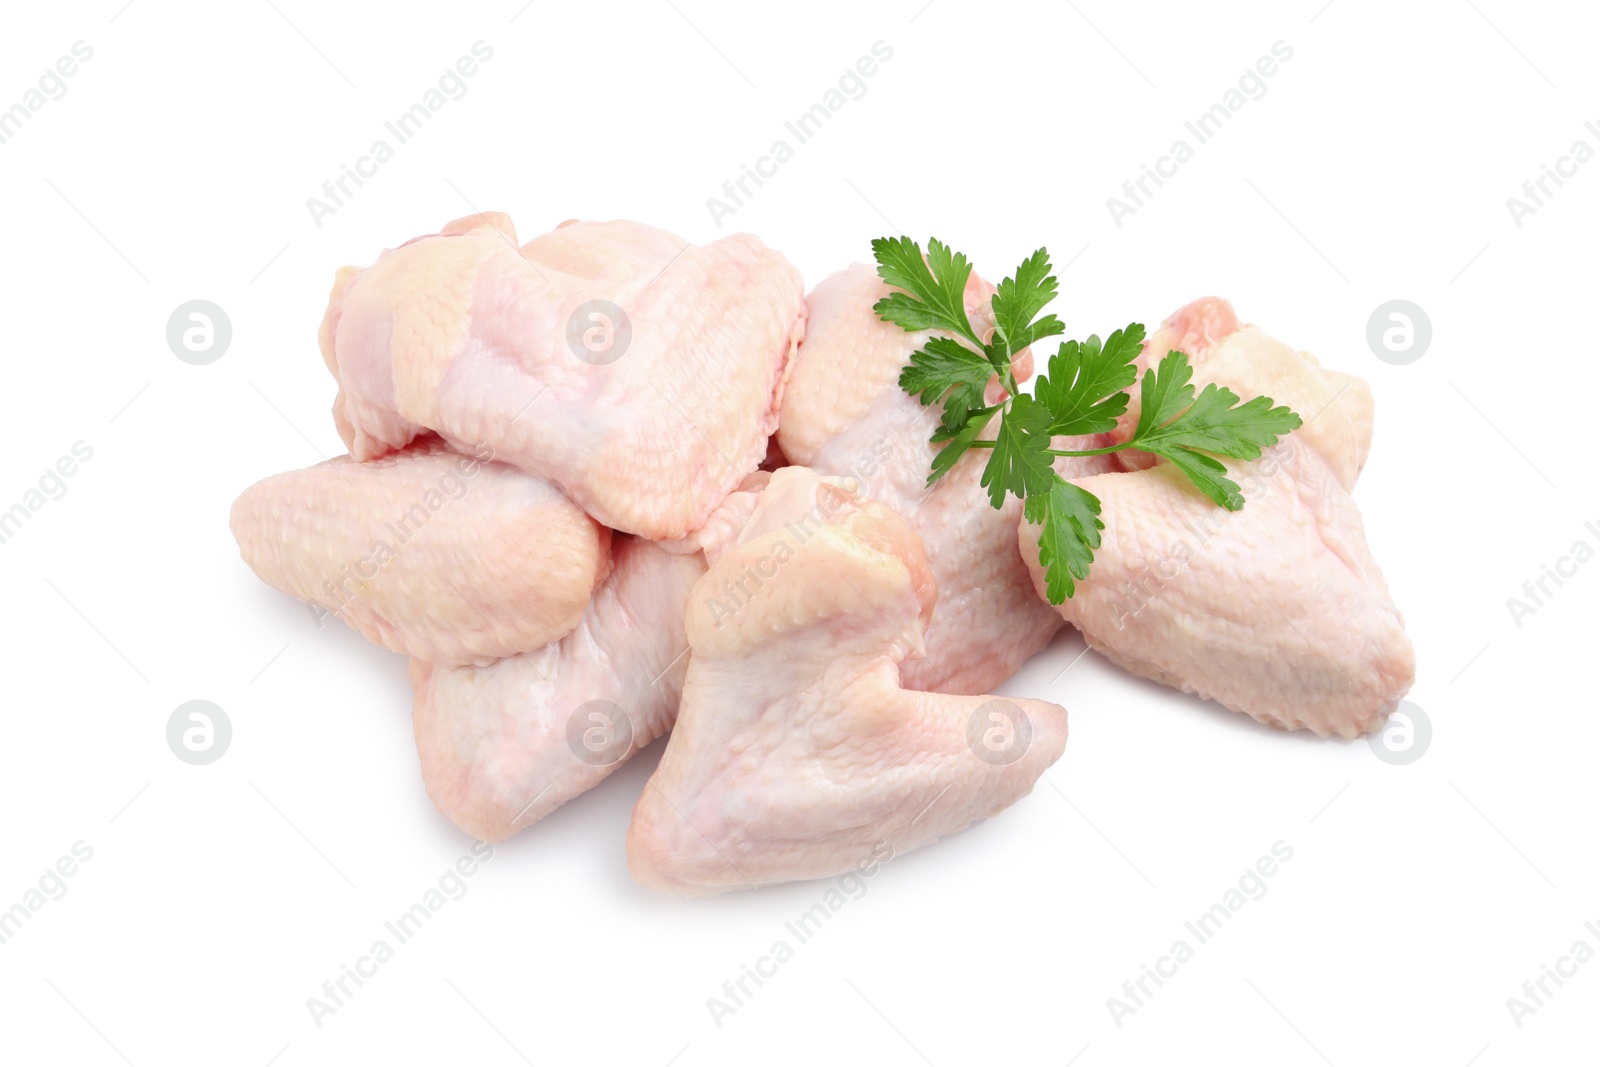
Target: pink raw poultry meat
{"x": 504, "y": 745}
{"x": 1278, "y": 610}
{"x": 639, "y": 373}
{"x": 1246, "y": 360}
{"x": 428, "y": 552}
{"x": 844, "y": 415}
{"x": 797, "y": 752}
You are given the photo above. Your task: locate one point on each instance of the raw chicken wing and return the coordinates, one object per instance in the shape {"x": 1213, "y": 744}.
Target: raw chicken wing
{"x": 438, "y": 555}
{"x": 845, "y": 415}
{"x": 502, "y": 746}
{"x": 797, "y": 752}
{"x": 639, "y": 373}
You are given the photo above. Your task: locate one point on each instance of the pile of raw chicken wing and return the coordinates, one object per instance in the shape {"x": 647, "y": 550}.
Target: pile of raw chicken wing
{"x": 609, "y": 485}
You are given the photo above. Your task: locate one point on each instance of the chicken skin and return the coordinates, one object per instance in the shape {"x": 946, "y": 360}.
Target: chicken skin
{"x": 504, "y": 745}
{"x": 1278, "y": 611}
{"x": 447, "y": 557}
{"x": 797, "y": 752}
{"x": 845, "y": 415}
{"x": 639, "y": 373}
{"x": 1246, "y": 360}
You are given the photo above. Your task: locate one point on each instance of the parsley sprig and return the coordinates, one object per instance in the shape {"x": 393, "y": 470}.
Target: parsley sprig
{"x": 1084, "y": 390}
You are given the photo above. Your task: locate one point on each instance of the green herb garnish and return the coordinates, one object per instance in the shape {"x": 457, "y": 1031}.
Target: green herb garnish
{"x": 1084, "y": 390}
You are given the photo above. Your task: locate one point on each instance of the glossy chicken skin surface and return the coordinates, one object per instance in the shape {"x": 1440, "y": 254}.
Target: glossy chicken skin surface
{"x": 443, "y": 556}
{"x": 1335, "y": 408}
{"x": 845, "y": 415}
{"x": 1278, "y": 610}
{"x": 637, "y": 372}
{"x": 797, "y": 752}
{"x": 504, "y": 745}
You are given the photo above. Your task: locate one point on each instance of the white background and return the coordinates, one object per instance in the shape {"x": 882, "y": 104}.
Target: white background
{"x": 219, "y": 898}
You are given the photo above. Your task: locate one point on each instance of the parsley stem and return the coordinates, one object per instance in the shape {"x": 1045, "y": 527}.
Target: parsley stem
{"x": 1010, "y": 381}
{"x": 1067, "y": 451}
{"x": 1089, "y": 451}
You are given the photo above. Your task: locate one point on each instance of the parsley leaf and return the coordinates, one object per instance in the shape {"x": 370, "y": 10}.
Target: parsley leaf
{"x": 1213, "y": 422}
{"x": 935, "y": 288}
{"x": 1070, "y": 517}
{"x": 1182, "y": 428}
{"x": 1085, "y": 386}
{"x": 958, "y": 444}
{"x": 945, "y": 363}
{"x": 1208, "y": 475}
{"x": 958, "y": 413}
{"x": 1016, "y": 301}
{"x": 1084, "y": 391}
{"x": 934, "y": 298}
{"x": 1164, "y": 392}
{"x": 1021, "y": 460}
